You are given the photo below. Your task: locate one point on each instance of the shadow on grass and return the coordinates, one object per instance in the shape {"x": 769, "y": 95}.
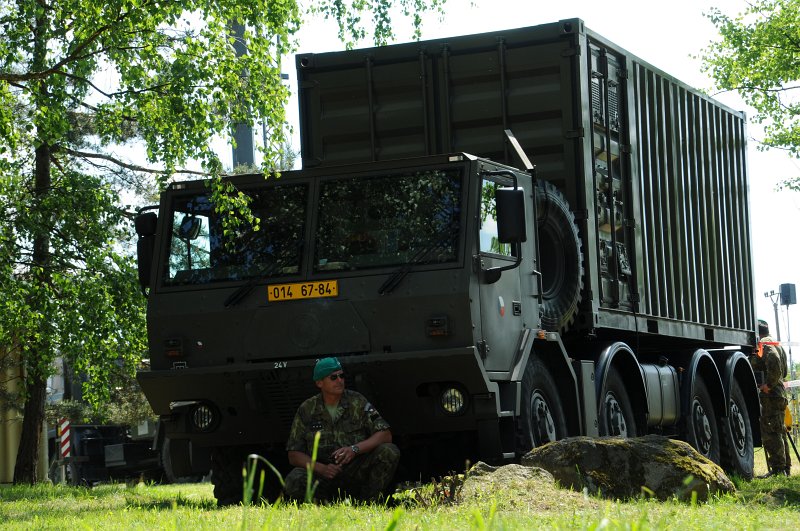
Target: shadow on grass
{"x": 777, "y": 491}
{"x": 108, "y": 496}
{"x": 169, "y": 504}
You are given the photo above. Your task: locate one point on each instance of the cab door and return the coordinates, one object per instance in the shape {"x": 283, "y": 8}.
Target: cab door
{"x": 500, "y": 301}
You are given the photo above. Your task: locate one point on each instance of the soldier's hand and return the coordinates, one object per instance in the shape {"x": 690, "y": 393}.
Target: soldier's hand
{"x": 330, "y": 471}
{"x": 344, "y": 455}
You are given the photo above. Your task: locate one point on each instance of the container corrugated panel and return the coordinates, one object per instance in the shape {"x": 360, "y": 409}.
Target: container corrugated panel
{"x": 654, "y": 171}
{"x": 695, "y": 216}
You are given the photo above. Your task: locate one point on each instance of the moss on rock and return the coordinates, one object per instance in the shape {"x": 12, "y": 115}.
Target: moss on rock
{"x": 622, "y": 468}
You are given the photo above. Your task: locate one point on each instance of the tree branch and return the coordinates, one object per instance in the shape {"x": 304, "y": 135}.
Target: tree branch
{"x": 129, "y": 166}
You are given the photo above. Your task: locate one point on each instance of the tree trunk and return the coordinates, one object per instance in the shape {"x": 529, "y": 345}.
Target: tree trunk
{"x": 26, "y": 466}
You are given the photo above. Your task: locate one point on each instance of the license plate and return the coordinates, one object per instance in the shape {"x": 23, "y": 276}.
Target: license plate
{"x": 302, "y": 290}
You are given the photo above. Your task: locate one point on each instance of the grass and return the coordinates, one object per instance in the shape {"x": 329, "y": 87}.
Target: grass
{"x": 772, "y": 503}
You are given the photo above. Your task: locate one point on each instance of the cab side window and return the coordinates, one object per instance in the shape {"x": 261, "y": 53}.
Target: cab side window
{"x": 488, "y": 240}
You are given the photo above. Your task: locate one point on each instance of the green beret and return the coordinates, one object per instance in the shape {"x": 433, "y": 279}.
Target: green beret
{"x": 326, "y": 366}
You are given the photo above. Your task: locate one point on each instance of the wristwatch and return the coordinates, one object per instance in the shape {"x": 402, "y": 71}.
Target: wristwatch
{"x": 355, "y": 449}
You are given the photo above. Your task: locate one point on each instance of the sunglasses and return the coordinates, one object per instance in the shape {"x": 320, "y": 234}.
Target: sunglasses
{"x": 336, "y": 376}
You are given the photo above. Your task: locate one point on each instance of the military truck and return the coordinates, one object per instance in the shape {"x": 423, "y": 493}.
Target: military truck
{"x": 485, "y": 304}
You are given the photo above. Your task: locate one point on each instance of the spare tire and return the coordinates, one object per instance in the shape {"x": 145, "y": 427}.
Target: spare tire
{"x": 560, "y": 258}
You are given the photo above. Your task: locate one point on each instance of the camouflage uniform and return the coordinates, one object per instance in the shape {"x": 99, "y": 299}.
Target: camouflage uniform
{"x": 368, "y": 475}
{"x": 773, "y": 406}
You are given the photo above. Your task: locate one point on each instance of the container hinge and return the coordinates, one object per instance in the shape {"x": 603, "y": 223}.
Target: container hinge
{"x": 630, "y": 223}
{"x": 622, "y": 73}
{"x": 625, "y": 148}
{"x": 575, "y": 133}
{"x": 477, "y": 263}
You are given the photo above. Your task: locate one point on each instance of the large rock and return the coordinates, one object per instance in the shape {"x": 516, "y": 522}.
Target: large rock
{"x": 516, "y": 486}
{"x": 623, "y": 468}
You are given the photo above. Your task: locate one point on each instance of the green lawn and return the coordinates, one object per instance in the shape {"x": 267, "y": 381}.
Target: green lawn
{"x": 760, "y": 504}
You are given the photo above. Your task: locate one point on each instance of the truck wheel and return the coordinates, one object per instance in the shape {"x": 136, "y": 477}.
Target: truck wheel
{"x": 561, "y": 258}
{"x": 737, "y": 440}
{"x": 226, "y": 475}
{"x": 702, "y": 431}
{"x": 72, "y": 476}
{"x": 542, "y": 417}
{"x": 169, "y": 470}
{"x": 616, "y": 413}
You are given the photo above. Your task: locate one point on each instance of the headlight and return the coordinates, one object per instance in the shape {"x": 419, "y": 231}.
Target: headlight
{"x": 452, "y": 401}
{"x": 203, "y": 417}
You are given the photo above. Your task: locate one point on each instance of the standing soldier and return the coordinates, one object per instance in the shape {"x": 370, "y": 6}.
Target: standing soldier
{"x": 356, "y": 456}
{"x": 773, "y": 402}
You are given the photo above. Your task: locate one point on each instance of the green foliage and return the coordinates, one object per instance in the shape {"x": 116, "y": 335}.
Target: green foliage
{"x": 79, "y": 81}
{"x": 757, "y": 57}
{"x": 127, "y": 404}
{"x": 76, "y": 411}
{"x": 350, "y": 15}
{"x": 311, "y": 485}
{"x": 89, "y": 310}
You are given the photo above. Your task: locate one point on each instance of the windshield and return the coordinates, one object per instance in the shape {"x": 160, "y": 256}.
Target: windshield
{"x": 362, "y": 223}
{"x": 388, "y": 220}
{"x": 201, "y": 251}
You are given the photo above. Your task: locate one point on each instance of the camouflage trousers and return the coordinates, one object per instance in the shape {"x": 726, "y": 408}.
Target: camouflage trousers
{"x": 773, "y": 440}
{"x": 366, "y": 478}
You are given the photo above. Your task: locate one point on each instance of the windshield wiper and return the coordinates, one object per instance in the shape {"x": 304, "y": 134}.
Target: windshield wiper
{"x": 243, "y": 290}
{"x": 418, "y": 259}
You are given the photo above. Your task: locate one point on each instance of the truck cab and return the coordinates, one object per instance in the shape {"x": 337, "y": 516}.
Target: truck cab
{"x": 419, "y": 275}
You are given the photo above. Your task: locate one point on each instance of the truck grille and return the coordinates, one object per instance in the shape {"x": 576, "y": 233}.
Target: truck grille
{"x": 280, "y": 393}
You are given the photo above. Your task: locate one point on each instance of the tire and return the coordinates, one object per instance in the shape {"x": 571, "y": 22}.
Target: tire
{"x": 615, "y": 413}
{"x": 737, "y": 439}
{"x": 72, "y": 475}
{"x": 702, "y": 431}
{"x": 226, "y": 475}
{"x": 542, "y": 418}
{"x": 169, "y": 472}
{"x": 561, "y": 259}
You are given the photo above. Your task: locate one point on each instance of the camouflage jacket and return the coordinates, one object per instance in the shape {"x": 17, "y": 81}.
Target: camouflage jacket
{"x": 358, "y": 419}
{"x": 772, "y": 364}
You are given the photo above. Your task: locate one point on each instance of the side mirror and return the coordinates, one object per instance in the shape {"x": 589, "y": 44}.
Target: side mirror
{"x": 189, "y": 229}
{"x": 510, "y": 205}
{"x": 145, "y": 224}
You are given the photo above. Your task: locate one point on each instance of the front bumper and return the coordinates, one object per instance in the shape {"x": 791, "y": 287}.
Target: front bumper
{"x": 256, "y": 403}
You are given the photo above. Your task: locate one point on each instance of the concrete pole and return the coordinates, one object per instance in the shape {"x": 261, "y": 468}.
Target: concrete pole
{"x": 244, "y": 151}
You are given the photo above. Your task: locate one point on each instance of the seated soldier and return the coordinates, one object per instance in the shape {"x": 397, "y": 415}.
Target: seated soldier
{"x": 355, "y": 455}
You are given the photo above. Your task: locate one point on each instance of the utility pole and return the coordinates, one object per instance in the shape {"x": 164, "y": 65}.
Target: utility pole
{"x": 775, "y": 298}
{"x": 788, "y": 297}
